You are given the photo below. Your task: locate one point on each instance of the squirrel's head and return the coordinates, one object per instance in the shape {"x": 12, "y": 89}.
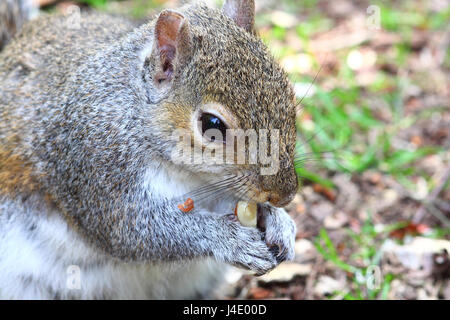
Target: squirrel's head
{"x": 229, "y": 109}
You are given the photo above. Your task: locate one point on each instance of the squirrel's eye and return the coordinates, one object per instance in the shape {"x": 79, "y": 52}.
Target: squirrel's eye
{"x": 213, "y": 128}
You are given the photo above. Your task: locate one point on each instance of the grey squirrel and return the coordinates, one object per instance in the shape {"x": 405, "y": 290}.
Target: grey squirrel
{"x": 88, "y": 186}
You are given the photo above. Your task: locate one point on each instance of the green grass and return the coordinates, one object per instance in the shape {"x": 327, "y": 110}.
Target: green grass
{"x": 95, "y": 3}
{"x": 346, "y": 128}
{"x": 343, "y": 122}
{"x": 363, "y": 266}
{"x": 137, "y": 9}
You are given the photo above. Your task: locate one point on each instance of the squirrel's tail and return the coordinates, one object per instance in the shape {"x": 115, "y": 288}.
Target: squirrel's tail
{"x": 13, "y": 14}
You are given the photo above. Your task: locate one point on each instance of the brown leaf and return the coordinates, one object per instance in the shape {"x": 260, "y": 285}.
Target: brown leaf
{"x": 410, "y": 229}
{"x": 330, "y": 194}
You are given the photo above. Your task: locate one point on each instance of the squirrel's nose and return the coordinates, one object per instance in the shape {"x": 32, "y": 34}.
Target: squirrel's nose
{"x": 280, "y": 201}
{"x": 281, "y": 190}
{"x": 281, "y": 187}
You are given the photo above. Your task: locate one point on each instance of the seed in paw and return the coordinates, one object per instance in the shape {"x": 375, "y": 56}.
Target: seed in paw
{"x": 246, "y": 212}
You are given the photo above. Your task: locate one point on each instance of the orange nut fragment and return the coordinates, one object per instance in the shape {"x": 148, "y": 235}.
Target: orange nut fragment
{"x": 187, "y": 206}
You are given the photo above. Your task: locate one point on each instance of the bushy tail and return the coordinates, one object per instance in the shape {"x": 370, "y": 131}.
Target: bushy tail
{"x": 13, "y": 14}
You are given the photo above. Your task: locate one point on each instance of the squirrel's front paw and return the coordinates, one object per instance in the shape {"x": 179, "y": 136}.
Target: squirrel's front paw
{"x": 246, "y": 248}
{"x": 280, "y": 231}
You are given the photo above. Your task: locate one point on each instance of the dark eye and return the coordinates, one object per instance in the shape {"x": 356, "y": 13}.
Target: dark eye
{"x": 213, "y": 128}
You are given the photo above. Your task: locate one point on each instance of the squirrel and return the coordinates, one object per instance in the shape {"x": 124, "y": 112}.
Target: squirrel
{"x": 88, "y": 185}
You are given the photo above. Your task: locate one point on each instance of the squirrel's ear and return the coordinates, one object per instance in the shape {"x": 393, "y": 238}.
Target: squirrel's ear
{"x": 242, "y": 12}
{"x": 172, "y": 43}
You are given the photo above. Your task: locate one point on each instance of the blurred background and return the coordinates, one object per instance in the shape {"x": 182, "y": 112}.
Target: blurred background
{"x": 373, "y": 211}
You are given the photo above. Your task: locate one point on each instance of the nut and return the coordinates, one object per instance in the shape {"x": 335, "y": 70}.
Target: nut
{"x": 246, "y": 213}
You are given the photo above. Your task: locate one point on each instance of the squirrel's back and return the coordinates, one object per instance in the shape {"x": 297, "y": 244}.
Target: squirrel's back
{"x": 44, "y": 53}
{"x": 58, "y": 43}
